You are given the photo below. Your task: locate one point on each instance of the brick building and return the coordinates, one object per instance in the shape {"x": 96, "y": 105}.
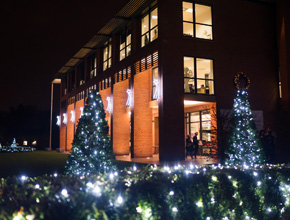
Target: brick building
{"x": 166, "y": 67}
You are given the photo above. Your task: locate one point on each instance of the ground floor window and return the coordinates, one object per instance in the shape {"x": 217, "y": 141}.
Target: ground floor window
{"x": 200, "y": 121}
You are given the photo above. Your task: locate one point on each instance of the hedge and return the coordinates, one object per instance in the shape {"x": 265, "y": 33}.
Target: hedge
{"x": 179, "y": 192}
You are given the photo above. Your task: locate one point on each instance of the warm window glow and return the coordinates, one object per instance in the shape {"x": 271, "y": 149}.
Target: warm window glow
{"x": 200, "y": 122}
{"x": 107, "y": 55}
{"x": 149, "y": 27}
{"x": 125, "y": 44}
{"x": 93, "y": 66}
{"x": 198, "y": 80}
{"x": 197, "y": 20}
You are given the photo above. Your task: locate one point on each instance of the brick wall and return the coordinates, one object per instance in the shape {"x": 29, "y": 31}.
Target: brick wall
{"x": 104, "y": 94}
{"x": 70, "y": 127}
{"x": 142, "y": 115}
{"x": 121, "y": 119}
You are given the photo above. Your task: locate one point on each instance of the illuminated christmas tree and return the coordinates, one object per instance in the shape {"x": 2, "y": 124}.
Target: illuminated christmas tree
{"x": 244, "y": 144}
{"x": 91, "y": 149}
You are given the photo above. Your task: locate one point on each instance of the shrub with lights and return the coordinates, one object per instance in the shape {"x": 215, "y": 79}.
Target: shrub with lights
{"x": 214, "y": 192}
{"x": 244, "y": 145}
{"x": 91, "y": 149}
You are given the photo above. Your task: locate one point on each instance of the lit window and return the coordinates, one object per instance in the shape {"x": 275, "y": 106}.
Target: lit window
{"x": 198, "y": 76}
{"x": 93, "y": 66}
{"x": 81, "y": 73}
{"x": 107, "y": 55}
{"x": 125, "y": 44}
{"x": 149, "y": 29}
{"x": 197, "y": 20}
{"x": 72, "y": 80}
{"x": 200, "y": 121}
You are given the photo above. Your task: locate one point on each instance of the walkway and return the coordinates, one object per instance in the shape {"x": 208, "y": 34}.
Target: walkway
{"x": 200, "y": 160}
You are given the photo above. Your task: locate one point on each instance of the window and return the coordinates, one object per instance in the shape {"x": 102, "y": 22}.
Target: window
{"x": 107, "y": 55}
{"x": 154, "y": 77}
{"x": 81, "y": 69}
{"x": 72, "y": 80}
{"x": 197, "y": 20}
{"x": 93, "y": 66}
{"x": 198, "y": 76}
{"x": 64, "y": 86}
{"x": 199, "y": 121}
{"x": 125, "y": 44}
{"x": 149, "y": 27}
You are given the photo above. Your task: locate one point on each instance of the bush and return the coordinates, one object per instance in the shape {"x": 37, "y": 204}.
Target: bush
{"x": 213, "y": 192}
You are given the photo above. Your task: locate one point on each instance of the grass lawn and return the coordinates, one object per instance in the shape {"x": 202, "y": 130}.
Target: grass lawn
{"x": 37, "y": 163}
{"x": 31, "y": 163}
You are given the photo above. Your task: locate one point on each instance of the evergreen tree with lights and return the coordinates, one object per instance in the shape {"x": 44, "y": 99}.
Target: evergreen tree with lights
{"x": 244, "y": 145}
{"x": 91, "y": 149}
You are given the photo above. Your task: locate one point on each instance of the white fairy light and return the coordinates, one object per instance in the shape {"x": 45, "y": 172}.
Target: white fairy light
{"x": 139, "y": 209}
{"x": 23, "y": 178}
{"x": 97, "y": 190}
{"x": 120, "y": 200}
{"x": 64, "y": 193}
{"x": 174, "y": 209}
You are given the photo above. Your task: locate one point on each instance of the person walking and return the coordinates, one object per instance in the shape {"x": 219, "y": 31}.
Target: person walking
{"x": 195, "y": 143}
{"x": 188, "y": 146}
{"x": 269, "y": 140}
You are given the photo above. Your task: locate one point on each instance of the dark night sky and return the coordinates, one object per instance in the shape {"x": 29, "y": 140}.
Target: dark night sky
{"x": 38, "y": 38}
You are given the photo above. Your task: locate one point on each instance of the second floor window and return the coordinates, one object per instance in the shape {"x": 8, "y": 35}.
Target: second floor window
{"x": 125, "y": 44}
{"x": 81, "y": 69}
{"x": 197, "y": 20}
{"x": 149, "y": 29}
{"x": 107, "y": 55}
{"x": 72, "y": 80}
{"x": 198, "y": 76}
{"x": 93, "y": 66}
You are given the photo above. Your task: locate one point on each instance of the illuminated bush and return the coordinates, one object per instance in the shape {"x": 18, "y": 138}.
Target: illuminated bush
{"x": 214, "y": 192}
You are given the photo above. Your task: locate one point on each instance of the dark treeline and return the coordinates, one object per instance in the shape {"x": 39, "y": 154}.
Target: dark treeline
{"x": 27, "y": 123}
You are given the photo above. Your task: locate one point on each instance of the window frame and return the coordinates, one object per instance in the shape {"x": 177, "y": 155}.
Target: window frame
{"x": 200, "y": 122}
{"x": 194, "y": 23}
{"x": 150, "y": 10}
{"x": 195, "y": 75}
{"x": 127, "y": 32}
{"x": 93, "y": 66}
{"x": 107, "y": 48}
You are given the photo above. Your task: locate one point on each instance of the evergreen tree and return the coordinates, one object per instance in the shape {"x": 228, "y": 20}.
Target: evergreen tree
{"x": 91, "y": 149}
{"x": 244, "y": 144}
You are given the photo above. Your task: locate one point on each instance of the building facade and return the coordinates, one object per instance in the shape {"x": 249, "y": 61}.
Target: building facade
{"x": 165, "y": 70}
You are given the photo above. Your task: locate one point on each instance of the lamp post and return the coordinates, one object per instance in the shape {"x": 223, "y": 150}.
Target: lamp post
{"x": 55, "y": 81}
